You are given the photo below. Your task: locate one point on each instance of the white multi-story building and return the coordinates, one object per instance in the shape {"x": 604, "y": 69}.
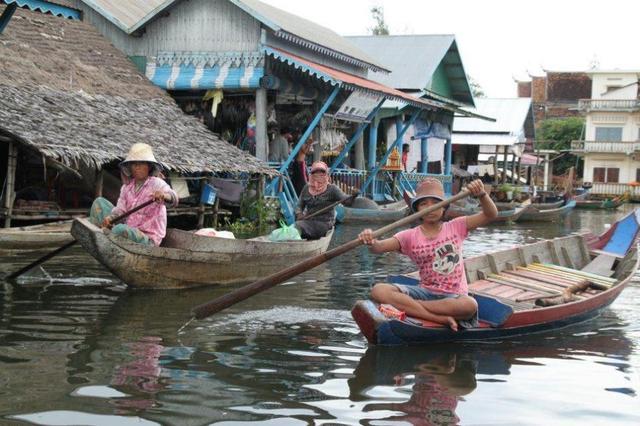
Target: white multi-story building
{"x": 611, "y": 145}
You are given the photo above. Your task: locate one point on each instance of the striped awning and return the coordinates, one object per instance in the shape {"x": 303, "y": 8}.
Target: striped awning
{"x": 186, "y": 71}
{"x": 187, "y": 77}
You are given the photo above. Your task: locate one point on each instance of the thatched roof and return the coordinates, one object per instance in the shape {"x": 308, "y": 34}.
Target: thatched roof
{"x": 68, "y": 93}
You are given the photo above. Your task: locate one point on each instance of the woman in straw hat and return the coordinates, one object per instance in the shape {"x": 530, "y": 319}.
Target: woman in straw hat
{"x": 316, "y": 195}
{"x": 436, "y": 248}
{"x": 148, "y": 225}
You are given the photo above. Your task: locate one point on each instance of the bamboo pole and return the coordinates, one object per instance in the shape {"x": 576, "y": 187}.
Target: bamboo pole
{"x": 9, "y": 193}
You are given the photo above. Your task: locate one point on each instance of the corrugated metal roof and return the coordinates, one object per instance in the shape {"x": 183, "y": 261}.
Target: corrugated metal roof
{"x": 129, "y": 15}
{"x": 281, "y": 21}
{"x": 412, "y": 58}
{"x": 353, "y": 82}
{"x": 511, "y": 116}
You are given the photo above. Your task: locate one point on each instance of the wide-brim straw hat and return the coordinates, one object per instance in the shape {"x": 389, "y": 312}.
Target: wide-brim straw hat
{"x": 428, "y": 188}
{"x": 141, "y": 152}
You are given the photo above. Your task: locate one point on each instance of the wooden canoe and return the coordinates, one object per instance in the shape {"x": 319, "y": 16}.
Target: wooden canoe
{"x": 535, "y": 214}
{"x": 36, "y": 237}
{"x": 386, "y": 213}
{"x": 533, "y": 288}
{"x": 609, "y": 204}
{"x": 504, "y": 216}
{"x": 540, "y": 206}
{"x": 187, "y": 260}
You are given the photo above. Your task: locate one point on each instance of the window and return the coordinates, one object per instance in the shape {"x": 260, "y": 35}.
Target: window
{"x": 598, "y": 174}
{"x": 637, "y": 175}
{"x": 606, "y": 175}
{"x": 609, "y": 134}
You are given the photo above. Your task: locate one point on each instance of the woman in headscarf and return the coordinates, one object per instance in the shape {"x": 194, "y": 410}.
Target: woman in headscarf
{"x": 148, "y": 225}
{"x": 316, "y": 195}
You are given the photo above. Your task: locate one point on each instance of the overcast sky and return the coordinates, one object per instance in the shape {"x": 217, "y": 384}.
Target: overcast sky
{"x": 500, "y": 40}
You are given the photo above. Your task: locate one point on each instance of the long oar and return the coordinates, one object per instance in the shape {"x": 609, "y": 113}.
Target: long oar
{"x": 229, "y": 299}
{"x": 330, "y": 206}
{"x": 48, "y": 256}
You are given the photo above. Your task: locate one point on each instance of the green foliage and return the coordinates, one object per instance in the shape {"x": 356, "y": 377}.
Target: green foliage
{"x": 476, "y": 89}
{"x": 241, "y": 228}
{"x": 557, "y": 134}
{"x": 505, "y": 187}
{"x": 255, "y": 215}
{"x": 380, "y": 28}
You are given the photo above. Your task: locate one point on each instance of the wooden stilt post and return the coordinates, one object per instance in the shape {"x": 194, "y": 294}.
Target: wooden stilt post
{"x": 505, "y": 152}
{"x": 495, "y": 165}
{"x": 260, "y": 197}
{"x": 9, "y": 193}
{"x": 201, "y": 205}
{"x": 99, "y": 182}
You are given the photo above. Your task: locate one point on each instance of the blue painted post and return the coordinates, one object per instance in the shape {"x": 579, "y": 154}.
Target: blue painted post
{"x": 355, "y": 137}
{"x": 6, "y": 16}
{"x": 424, "y": 155}
{"x": 384, "y": 159}
{"x": 309, "y": 129}
{"x": 283, "y": 168}
{"x": 373, "y": 143}
{"x": 447, "y": 164}
{"x": 398, "y": 125}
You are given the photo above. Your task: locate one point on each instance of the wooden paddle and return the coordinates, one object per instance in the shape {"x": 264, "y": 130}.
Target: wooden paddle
{"x": 330, "y": 206}
{"x": 48, "y": 256}
{"x": 238, "y": 295}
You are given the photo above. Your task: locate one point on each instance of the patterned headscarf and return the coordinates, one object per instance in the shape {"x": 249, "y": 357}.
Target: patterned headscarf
{"x": 318, "y": 181}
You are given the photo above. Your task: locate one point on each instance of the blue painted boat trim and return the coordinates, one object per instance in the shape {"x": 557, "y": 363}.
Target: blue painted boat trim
{"x": 623, "y": 236}
{"x": 394, "y": 332}
{"x": 46, "y": 7}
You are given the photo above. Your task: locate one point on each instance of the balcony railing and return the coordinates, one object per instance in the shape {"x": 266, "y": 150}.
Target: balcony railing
{"x": 605, "y": 147}
{"x": 609, "y": 104}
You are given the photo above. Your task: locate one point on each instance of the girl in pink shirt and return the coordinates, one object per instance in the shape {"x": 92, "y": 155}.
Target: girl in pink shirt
{"x": 436, "y": 248}
{"x": 148, "y": 225}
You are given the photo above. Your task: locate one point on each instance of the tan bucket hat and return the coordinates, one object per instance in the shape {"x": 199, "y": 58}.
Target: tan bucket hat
{"x": 140, "y": 152}
{"x": 428, "y": 188}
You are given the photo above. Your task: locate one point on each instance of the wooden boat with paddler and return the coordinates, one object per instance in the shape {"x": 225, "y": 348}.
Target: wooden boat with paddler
{"x": 185, "y": 259}
{"x": 533, "y": 288}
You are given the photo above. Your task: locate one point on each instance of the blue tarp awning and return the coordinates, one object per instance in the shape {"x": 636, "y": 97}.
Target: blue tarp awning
{"x": 189, "y": 76}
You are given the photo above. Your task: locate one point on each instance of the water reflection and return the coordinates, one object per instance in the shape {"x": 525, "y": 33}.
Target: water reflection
{"x": 423, "y": 386}
{"x": 76, "y": 345}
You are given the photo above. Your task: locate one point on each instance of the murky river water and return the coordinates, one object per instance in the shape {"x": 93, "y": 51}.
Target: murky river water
{"x": 77, "y": 348}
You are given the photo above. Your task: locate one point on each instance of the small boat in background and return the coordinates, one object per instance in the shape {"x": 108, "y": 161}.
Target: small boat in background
{"x": 608, "y": 204}
{"x": 187, "y": 260}
{"x": 382, "y": 214}
{"x": 505, "y": 215}
{"x": 36, "y": 237}
{"x": 532, "y": 288}
{"x": 536, "y": 214}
